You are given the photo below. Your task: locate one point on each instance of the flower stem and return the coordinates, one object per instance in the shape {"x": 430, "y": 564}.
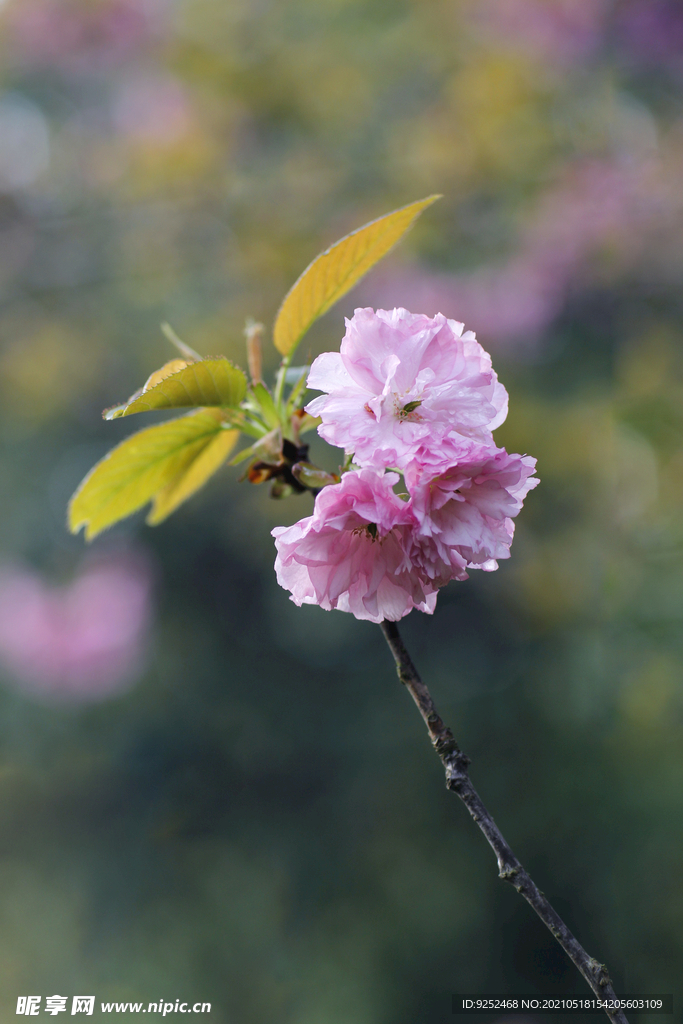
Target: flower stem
{"x": 456, "y": 765}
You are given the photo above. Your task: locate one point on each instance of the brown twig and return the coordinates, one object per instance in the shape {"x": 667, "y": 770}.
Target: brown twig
{"x": 509, "y": 868}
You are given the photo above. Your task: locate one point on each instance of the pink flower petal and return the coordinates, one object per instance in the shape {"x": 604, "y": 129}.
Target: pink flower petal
{"x": 405, "y": 382}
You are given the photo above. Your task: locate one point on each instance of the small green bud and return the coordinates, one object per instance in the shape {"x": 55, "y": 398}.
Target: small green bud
{"x": 310, "y": 476}
{"x": 280, "y": 489}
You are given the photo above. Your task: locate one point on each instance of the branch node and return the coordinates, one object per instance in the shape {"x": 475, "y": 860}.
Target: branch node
{"x": 600, "y": 972}
{"x": 456, "y": 771}
{"x": 445, "y": 746}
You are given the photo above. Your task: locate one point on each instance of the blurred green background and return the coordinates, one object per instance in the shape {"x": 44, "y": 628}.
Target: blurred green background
{"x": 207, "y": 793}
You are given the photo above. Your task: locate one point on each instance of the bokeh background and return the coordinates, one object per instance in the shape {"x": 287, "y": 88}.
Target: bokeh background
{"x": 206, "y": 793}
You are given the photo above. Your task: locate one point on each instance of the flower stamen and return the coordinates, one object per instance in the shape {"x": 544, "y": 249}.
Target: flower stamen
{"x": 408, "y": 411}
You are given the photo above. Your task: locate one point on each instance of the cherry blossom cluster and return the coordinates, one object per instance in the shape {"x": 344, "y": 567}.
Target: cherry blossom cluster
{"x": 413, "y": 400}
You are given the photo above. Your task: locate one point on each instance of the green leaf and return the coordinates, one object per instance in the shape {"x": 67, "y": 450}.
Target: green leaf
{"x": 264, "y": 401}
{"x": 246, "y": 453}
{"x": 297, "y": 391}
{"x": 195, "y": 476}
{"x": 169, "y": 368}
{"x": 169, "y": 461}
{"x": 268, "y": 448}
{"x": 209, "y": 382}
{"x": 335, "y": 271}
{"x": 115, "y": 411}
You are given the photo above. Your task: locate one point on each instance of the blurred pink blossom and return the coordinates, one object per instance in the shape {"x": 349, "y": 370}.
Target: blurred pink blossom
{"x": 556, "y": 30}
{"x": 81, "y": 642}
{"x": 152, "y": 106}
{"x": 652, "y": 30}
{"x": 594, "y": 204}
{"x": 82, "y": 37}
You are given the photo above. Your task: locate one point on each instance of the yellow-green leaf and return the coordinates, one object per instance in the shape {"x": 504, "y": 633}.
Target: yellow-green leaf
{"x": 209, "y": 382}
{"x": 115, "y": 411}
{"x": 195, "y": 476}
{"x": 143, "y": 466}
{"x": 335, "y": 271}
{"x": 172, "y": 366}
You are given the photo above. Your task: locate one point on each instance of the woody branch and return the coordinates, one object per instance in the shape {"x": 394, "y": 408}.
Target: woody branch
{"x": 456, "y": 765}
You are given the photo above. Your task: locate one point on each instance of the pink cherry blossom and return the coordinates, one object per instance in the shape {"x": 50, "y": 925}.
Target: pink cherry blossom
{"x": 351, "y": 554}
{"x": 405, "y": 383}
{"x": 464, "y": 515}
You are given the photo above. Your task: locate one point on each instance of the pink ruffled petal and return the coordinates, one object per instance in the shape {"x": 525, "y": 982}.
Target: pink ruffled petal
{"x": 352, "y": 553}
{"x": 404, "y": 386}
